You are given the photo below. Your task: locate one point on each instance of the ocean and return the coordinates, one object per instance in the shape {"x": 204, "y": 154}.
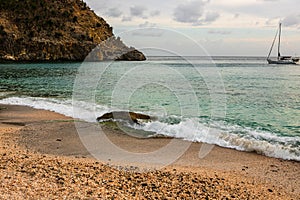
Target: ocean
{"x": 234, "y": 102}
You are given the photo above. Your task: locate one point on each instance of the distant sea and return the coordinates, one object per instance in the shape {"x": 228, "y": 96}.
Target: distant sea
{"x": 234, "y": 102}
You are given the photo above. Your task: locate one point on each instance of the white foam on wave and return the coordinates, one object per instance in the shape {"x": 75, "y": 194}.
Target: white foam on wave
{"x": 230, "y": 136}
{"x": 262, "y": 142}
{"x": 79, "y": 110}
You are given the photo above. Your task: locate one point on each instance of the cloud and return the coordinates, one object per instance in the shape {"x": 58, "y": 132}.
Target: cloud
{"x": 193, "y": 12}
{"x": 137, "y": 11}
{"x": 211, "y": 16}
{"x": 219, "y": 32}
{"x": 154, "y": 13}
{"x": 190, "y": 12}
{"x": 113, "y": 12}
{"x": 148, "y": 29}
{"x": 237, "y": 15}
{"x": 147, "y": 25}
{"x": 291, "y": 20}
{"x": 126, "y": 19}
{"x": 272, "y": 22}
{"x": 148, "y": 32}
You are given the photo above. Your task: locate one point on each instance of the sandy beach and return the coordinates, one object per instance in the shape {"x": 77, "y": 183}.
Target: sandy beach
{"x": 42, "y": 157}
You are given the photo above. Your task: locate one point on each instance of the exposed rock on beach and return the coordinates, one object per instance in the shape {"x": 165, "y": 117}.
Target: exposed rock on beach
{"x": 126, "y": 116}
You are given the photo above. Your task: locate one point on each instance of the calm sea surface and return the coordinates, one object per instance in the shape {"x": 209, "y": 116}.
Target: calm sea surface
{"x": 234, "y": 102}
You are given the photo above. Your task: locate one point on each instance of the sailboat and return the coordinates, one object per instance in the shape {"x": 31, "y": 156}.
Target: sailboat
{"x": 281, "y": 59}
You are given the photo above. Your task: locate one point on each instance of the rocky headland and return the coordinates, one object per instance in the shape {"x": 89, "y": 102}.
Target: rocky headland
{"x": 58, "y": 30}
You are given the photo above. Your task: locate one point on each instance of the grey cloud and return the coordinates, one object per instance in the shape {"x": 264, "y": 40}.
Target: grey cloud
{"x": 219, "y": 32}
{"x": 114, "y": 12}
{"x": 272, "y": 21}
{"x": 190, "y": 12}
{"x": 137, "y": 11}
{"x": 155, "y": 13}
{"x": 126, "y": 19}
{"x": 211, "y": 16}
{"x": 236, "y": 15}
{"x": 147, "y": 25}
{"x": 193, "y": 12}
{"x": 291, "y": 20}
{"x": 148, "y": 32}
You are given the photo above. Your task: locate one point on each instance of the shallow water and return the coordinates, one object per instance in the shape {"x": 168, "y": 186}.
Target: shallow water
{"x": 234, "y": 102}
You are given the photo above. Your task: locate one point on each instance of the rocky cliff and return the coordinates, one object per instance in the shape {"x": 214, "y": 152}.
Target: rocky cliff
{"x": 57, "y": 30}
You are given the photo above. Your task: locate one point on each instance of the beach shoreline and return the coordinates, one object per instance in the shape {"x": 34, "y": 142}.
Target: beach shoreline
{"x": 43, "y": 145}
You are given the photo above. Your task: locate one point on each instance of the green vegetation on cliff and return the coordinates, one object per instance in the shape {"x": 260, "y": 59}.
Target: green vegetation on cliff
{"x": 56, "y": 30}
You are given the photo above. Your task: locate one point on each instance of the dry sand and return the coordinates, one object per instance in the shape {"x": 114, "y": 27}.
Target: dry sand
{"x": 42, "y": 157}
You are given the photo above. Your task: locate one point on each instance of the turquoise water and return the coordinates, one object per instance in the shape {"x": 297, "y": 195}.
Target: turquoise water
{"x": 248, "y": 104}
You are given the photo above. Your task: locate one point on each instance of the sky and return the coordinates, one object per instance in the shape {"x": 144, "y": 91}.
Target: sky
{"x": 219, "y": 27}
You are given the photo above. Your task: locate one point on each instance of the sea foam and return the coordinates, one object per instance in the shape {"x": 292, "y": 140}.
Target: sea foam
{"x": 229, "y": 136}
{"x": 190, "y": 129}
{"x": 83, "y": 111}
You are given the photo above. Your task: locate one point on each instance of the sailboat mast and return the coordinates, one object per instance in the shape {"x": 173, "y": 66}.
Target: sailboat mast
{"x": 279, "y": 40}
{"x": 273, "y": 44}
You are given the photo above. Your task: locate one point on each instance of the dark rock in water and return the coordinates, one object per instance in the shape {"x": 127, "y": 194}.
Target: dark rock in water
{"x": 133, "y": 55}
{"x": 114, "y": 49}
{"x": 127, "y": 116}
{"x": 42, "y": 30}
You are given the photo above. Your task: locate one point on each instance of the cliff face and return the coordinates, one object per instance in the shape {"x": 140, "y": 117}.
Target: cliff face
{"x": 57, "y": 30}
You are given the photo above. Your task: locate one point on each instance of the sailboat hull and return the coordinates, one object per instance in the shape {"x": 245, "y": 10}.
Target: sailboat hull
{"x": 281, "y": 62}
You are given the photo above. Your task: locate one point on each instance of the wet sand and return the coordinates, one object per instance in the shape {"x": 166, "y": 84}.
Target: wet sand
{"x": 43, "y": 157}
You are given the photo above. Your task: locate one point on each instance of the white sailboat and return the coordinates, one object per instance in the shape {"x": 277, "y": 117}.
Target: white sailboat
{"x": 280, "y": 59}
